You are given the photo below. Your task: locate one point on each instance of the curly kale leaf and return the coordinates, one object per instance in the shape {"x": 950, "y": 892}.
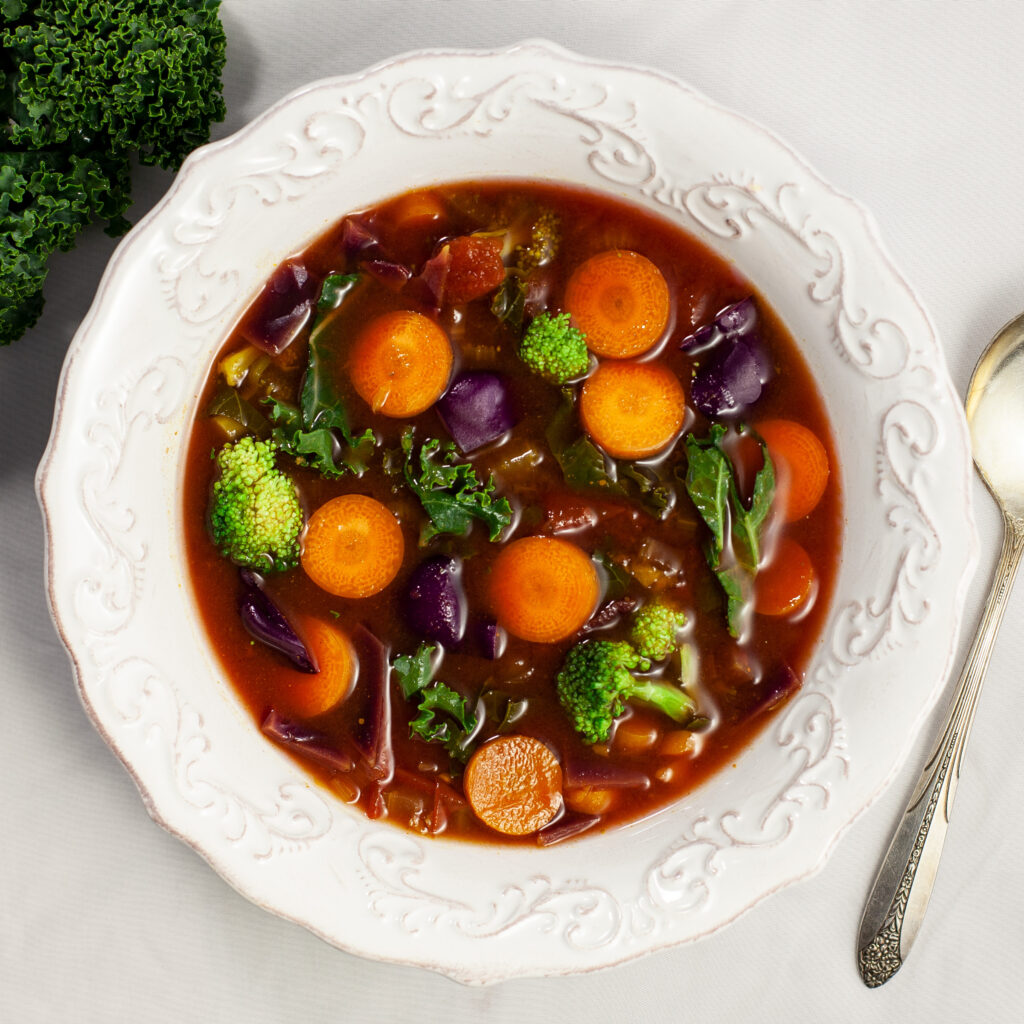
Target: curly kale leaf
{"x": 116, "y": 75}
{"x": 83, "y": 87}
{"x": 444, "y": 718}
{"x": 450, "y": 492}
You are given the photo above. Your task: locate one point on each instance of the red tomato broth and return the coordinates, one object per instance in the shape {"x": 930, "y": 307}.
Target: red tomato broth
{"x": 425, "y": 795}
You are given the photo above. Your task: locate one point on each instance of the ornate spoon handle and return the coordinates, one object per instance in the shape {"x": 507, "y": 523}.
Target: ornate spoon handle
{"x": 903, "y": 886}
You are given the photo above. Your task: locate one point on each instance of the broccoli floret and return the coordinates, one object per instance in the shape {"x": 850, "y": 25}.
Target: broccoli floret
{"x": 554, "y": 349}
{"x": 654, "y": 630}
{"x": 545, "y": 238}
{"x": 255, "y": 515}
{"x": 83, "y": 87}
{"x": 596, "y": 680}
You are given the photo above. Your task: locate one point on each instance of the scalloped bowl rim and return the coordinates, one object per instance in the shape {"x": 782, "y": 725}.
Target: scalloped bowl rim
{"x": 112, "y": 539}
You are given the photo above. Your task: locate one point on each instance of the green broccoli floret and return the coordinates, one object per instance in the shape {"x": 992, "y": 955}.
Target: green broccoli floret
{"x": 596, "y": 680}
{"x": 255, "y": 516}
{"x": 83, "y": 88}
{"x": 554, "y": 349}
{"x": 545, "y": 238}
{"x": 654, "y": 631}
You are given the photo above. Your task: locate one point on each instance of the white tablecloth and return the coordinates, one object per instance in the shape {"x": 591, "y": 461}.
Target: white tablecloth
{"x": 917, "y": 109}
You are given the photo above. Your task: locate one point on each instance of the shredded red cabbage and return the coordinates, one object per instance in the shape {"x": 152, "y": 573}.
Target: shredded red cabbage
{"x": 281, "y": 310}
{"x": 266, "y": 622}
{"x": 476, "y": 410}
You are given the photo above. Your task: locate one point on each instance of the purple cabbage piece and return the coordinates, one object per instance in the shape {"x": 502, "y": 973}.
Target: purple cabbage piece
{"x": 309, "y": 742}
{"x": 600, "y": 772}
{"x": 356, "y": 238}
{"x": 476, "y": 410}
{"x": 737, "y": 367}
{"x": 390, "y": 274}
{"x": 374, "y": 738}
{"x": 435, "y": 606}
{"x": 434, "y": 276}
{"x": 492, "y": 639}
{"x": 266, "y": 622}
{"x": 281, "y": 310}
{"x": 609, "y": 612}
{"x": 569, "y": 825}
{"x": 773, "y": 688}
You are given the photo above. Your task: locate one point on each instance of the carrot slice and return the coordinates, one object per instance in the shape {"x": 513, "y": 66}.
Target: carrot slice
{"x": 801, "y": 466}
{"x": 786, "y": 582}
{"x": 632, "y": 409}
{"x": 620, "y": 300}
{"x": 400, "y": 363}
{"x": 311, "y": 694}
{"x": 417, "y": 210}
{"x": 543, "y": 588}
{"x": 353, "y": 546}
{"x": 476, "y": 267}
{"x": 514, "y": 785}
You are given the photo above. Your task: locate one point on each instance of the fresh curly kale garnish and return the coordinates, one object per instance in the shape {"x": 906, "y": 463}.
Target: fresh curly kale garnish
{"x": 444, "y": 718}
{"x": 450, "y": 492}
{"x": 84, "y": 88}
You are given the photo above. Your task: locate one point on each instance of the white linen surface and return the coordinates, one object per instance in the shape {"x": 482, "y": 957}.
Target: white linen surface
{"x": 913, "y": 108}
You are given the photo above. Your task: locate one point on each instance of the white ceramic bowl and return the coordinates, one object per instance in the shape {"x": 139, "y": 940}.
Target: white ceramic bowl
{"x": 110, "y": 484}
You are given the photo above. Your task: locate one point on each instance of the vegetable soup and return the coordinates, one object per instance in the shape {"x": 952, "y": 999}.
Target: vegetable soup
{"x": 512, "y": 511}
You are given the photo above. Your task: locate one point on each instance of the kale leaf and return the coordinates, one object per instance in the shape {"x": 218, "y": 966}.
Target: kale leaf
{"x": 307, "y": 432}
{"x": 84, "y": 87}
{"x": 711, "y": 484}
{"x": 450, "y": 492}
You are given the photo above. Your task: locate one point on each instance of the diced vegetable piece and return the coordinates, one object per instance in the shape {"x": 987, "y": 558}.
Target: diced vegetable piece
{"x": 435, "y": 605}
{"x": 801, "y": 466}
{"x": 620, "y": 300}
{"x": 543, "y": 589}
{"x": 632, "y": 410}
{"x": 356, "y": 238}
{"x": 416, "y": 210}
{"x": 282, "y": 309}
{"x": 589, "y": 799}
{"x": 476, "y": 267}
{"x": 228, "y": 404}
{"x": 400, "y": 363}
{"x": 234, "y": 366}
{"x": 786, "y": 582}
{"x": 353, "y": 546}
{"x": 265, "y": 621}
{"x": 514, "y": 785}
{"x": 609, "y": 613}
{"x": 600, "y": 773}
{"x": 635, "y": 736}
{"x": 476, "y": 410}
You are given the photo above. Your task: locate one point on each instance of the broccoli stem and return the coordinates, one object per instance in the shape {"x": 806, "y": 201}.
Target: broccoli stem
{"x": 671, "y": 700}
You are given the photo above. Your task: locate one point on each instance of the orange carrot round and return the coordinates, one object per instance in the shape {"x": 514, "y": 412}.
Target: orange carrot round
{"x": 400, "y": 363}
{"x": 786, "y": 582}
{"x": 310, "y": 694}
{"x": 417, "y": 210}
{"x": 632, "y": 410}
{"x": 801, "y": 466}
{"x": 514, "y": 785}
{"x": 543, "y": 588}
{"x": 620, "y": 300}
{"x": 353, "y": 546}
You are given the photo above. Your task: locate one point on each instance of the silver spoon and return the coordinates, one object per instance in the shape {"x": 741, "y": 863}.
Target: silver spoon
{"x": 899, "y": 897}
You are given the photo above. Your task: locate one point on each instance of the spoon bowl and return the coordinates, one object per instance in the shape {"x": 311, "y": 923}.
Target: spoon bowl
{"x": 995, "y": 416}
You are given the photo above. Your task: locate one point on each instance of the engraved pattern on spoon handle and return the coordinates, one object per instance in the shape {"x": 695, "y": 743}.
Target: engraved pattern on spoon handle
{"x": 899, "y": 897}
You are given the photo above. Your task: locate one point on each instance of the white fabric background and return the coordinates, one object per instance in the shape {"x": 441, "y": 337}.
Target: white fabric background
{"x": 915, "y": 109}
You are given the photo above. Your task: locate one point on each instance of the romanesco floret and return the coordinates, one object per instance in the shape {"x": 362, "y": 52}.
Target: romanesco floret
{"x": 555, "y": 349}
{"x": 255, "y": 515}
{"x": 655, "y": 627}
{"x": 596, "y": 680}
